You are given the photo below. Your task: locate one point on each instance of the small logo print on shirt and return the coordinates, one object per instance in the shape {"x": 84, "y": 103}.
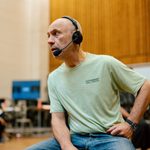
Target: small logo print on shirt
{"x": 92, "y": 80}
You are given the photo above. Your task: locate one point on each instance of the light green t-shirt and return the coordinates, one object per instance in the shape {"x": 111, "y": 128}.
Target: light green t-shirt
{"x": 89, "y": 92}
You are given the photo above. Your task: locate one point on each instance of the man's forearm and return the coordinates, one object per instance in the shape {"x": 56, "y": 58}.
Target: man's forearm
{"x": 61, "y": 133}
{"x": 141, "y": 103}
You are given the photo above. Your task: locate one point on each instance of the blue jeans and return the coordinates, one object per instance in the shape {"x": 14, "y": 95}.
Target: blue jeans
{"x": 97, "y": 141}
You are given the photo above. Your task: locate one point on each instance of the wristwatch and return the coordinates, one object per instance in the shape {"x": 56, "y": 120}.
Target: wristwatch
{"x": 132, "y": 124}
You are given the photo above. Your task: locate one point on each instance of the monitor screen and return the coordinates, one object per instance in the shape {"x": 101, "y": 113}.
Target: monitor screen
{"x": 26, "y": 90}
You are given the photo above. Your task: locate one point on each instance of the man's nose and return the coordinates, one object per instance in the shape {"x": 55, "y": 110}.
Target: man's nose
{"x": 51, "y": 40}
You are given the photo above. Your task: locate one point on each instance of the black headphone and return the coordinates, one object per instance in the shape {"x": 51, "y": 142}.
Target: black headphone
{"x": 77, "y": 36}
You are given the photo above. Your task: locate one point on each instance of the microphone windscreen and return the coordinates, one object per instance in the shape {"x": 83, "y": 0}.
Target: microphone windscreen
{"x": 57, "y": 52}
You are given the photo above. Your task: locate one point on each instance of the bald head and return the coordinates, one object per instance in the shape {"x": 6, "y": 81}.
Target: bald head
{"x": 65, "y": 24}
{"x": 74, "y": 22}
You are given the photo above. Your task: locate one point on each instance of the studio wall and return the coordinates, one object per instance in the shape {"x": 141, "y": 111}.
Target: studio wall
{"x": 120, "y": 28}
{"x": 23, "y": 43}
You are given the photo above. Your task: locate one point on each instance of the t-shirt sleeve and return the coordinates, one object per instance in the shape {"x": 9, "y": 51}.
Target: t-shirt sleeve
{"x": 55, "y": 104}
{"x": 124, "y": 78}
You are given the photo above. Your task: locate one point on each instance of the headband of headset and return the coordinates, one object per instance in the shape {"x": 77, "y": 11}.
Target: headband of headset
{"x": 77, "y": 36}
{"x": 72, "y": 20}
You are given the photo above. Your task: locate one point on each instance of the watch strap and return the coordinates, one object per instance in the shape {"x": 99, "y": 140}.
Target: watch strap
{"x": 132, "y": 124}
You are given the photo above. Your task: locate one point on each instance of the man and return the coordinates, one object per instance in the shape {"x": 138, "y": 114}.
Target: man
{"x": 87, "y": 86}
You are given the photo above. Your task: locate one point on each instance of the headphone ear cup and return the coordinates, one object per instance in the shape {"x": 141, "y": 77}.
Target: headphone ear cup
{"x": 77, "y": 37}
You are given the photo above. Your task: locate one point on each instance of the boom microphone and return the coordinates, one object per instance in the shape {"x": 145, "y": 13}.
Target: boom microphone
{"x": 58, "y": 51}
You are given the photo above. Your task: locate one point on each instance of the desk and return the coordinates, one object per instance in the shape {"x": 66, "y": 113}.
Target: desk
{"x": 23, "y": 122}
{"x": 37, "y": 121}
{"x": 40, "y": 117}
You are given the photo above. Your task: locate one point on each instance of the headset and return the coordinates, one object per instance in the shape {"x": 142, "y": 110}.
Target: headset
{"x": 77, "y": 35}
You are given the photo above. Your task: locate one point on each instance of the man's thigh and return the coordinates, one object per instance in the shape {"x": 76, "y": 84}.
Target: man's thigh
{"x": 109, "y": 142}
{"x": 96, "y": 142}
{"x": 50, "y": 144}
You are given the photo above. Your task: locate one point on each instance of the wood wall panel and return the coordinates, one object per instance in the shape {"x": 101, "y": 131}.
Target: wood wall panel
{"x": 115, "y": 27}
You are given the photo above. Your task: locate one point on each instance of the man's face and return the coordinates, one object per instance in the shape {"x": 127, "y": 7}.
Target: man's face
{"x": 60, "y": 34}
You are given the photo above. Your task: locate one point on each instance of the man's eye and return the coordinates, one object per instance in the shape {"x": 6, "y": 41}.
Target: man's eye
{"x": 56, "y": 33}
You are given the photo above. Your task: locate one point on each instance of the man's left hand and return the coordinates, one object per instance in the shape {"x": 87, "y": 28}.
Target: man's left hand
{"x": 121, "y": 129}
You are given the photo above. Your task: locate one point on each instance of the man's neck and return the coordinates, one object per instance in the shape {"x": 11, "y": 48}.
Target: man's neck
{"x": 75, "y": 58}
